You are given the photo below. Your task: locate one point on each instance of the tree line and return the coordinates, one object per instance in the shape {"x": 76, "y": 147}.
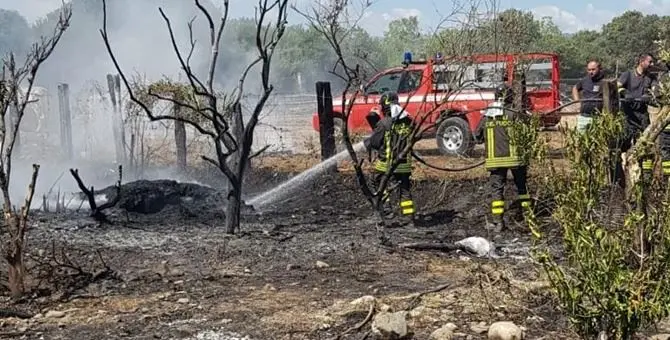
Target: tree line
{"x": 304, "y": 56}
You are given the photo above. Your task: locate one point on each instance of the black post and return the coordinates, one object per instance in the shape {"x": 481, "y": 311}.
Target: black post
{"x": 326, "y": 122}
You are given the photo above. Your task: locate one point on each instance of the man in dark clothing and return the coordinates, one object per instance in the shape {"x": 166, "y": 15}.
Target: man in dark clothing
{"x": 634, "y": 88}
{"x": 502, "y": 155}
{"x": 590, "y": 89}
{"x": 390, "y": 136}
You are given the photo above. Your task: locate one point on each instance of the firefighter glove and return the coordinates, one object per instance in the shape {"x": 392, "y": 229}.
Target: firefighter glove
{"x": 622, "y": 92}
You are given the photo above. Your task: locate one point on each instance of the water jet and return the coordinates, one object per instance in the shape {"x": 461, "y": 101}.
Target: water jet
{"x": 288, "y": 187}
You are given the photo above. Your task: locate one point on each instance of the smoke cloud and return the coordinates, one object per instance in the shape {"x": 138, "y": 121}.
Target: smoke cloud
{"x": 141, "y": 43}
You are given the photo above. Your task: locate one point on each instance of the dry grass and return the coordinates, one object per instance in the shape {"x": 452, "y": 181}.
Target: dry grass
{"x": 302, "y": 162}
{"x": 164, "y": 154}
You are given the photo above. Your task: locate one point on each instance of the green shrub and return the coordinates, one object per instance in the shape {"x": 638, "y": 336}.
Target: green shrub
{"x": 601, "y": 283}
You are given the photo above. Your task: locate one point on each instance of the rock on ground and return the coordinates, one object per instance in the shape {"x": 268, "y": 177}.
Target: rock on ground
{"x": 445, "y": 332}
{"x": 505, "y": 330}
{"x": 219, "y": 335}
{"x": 390, "y": 325}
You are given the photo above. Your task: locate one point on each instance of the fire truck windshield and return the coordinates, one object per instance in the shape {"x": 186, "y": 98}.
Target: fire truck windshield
{"x": 398, "y": 81}
{"x": 386, "y": 82}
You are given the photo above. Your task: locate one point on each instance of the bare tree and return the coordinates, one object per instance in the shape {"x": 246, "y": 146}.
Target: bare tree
{"x": 232, "y": 149}
{"x": 333, "y": 19}
{"x": 14, "y": 75}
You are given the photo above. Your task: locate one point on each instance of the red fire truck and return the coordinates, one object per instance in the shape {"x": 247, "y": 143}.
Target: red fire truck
{"x": 453, "y": 92}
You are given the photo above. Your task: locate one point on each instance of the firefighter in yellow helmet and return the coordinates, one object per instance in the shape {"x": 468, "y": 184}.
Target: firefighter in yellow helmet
{"x": 502, "y": 155}
{"x": 390, "y": 136}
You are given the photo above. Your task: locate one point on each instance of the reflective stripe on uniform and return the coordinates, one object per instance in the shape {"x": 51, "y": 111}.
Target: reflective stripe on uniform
{"x": 647, "y": 165}
{"x": 503, "y": 162}
{"x": 383, "y": 165}
{"x": 497, "y": 207}
{"x": 402, "y": 168}
{"x": 490, "y": 144}
{"x": 666, "y": 167}
{"x": 407, "y": 207}
{"x": 507, "y": 153}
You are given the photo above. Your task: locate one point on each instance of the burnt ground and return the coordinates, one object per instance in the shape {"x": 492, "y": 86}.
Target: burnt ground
{"x": 296, "y": 272}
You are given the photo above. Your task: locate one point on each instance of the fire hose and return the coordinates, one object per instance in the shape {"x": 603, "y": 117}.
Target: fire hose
{"x": 480, "y": 163}
{"x": 464, "y": 168}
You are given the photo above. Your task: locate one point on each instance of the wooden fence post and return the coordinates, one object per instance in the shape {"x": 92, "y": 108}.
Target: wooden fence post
{"x": 114, "y": 88}
{"x": 324, "y": 100}
{"x": 179, "y": 138}
{"x": 65, "y": 120}
{"x": 610, "y": 95}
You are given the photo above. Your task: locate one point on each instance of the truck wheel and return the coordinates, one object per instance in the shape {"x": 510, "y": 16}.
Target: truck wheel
{"x": 454, "y": 137}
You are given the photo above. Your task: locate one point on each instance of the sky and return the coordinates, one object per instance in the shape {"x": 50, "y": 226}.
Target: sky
{"x": 569, "y": 15}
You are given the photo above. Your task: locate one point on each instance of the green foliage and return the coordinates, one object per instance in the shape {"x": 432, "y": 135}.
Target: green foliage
{"x": 402, "y": 35}
{"x": 517, "y": 31}
{"x": 525, "y": 134}
{"x": 603, "y": 285}
{"x": 629, "y": 34}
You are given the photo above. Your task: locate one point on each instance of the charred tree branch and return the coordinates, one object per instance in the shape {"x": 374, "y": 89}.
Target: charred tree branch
{"x": 97, "y": 211}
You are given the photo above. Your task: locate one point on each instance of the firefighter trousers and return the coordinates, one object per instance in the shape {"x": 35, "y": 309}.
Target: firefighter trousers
{"x": 404, "y": 190}
{"x": 636, "y": 122}
{"x": 497, "y": 181}
{"x": 664, "y": 141}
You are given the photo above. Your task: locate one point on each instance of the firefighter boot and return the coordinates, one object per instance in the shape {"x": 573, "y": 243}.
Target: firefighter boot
{"x": 665, "y": 165}
{"x": 407, "y": 210}
{"x": 647, "y": 170}
{"x": 497, "y": 223}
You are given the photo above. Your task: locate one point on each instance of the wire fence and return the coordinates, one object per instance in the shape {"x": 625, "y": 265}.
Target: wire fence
{"x": 285, "y": 125}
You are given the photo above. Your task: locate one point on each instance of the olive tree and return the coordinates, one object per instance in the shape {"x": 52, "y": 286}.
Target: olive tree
{"x": 232, "y": 142}
{"x": 611, "y": 280}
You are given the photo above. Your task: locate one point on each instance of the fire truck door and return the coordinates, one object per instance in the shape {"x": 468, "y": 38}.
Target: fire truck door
{"x": 539, "y": 85}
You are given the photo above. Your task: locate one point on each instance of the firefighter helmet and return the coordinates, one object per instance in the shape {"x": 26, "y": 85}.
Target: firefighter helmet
{"x": 504, "y": 92}
{"x": 388, "y": 98}
{"x": 385, "y": 102}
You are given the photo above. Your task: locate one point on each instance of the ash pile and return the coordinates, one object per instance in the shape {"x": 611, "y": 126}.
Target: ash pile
{"x": 166, "y": 199}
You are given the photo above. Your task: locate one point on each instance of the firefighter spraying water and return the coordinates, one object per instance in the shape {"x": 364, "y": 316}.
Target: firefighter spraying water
{"x": 389, "y": 138}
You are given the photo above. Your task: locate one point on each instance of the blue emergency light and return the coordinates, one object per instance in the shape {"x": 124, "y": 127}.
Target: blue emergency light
{"x": 407, "y": 57}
